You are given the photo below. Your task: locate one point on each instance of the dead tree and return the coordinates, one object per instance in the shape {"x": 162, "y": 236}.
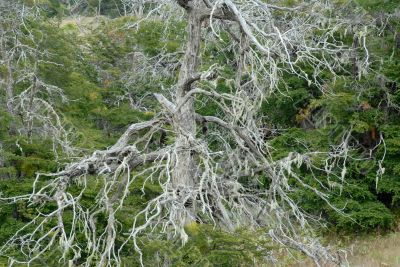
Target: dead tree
{"x": 200, "y": 183}
{"x": 21, "y": 53}
{"x": 11, "y": 50}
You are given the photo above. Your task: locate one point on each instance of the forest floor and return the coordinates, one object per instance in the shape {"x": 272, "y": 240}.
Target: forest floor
{"x": 370, "y": 251}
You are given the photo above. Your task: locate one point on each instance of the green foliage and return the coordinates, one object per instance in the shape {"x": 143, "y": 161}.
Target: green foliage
{"x": 209, "y": 247}
{"x": 379, "y": 5}
{"x": 24, "y": 159}
{"x": 282, "y": 109}
{"x": 363, "y": 216}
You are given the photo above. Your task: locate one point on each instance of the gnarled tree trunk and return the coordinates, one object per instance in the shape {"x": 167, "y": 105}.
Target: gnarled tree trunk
{"x": 184, "y": 117}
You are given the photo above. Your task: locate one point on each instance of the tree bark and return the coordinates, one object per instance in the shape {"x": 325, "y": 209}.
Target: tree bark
{"x": 30, "y": 107}
{"x": 241, "y": 64}
{"x": 9, "y": 84}
{"x": 354, "y": 57}
{"x": 185, "y": 117}
{"x": 9, "y": 90}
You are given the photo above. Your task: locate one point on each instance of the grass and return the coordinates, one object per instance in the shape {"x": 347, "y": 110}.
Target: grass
{"x": 376, "y": 251}
{"x": 369, "y": 251}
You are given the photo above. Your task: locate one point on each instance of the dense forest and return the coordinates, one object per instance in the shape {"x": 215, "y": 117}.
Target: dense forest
{"x": 196, "y": 132}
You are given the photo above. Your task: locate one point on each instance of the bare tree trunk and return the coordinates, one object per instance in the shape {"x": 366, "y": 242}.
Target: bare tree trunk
{"x": 9, "y": 90}
{"x": 31, "y": 107}
{"x": 354, "y": 57}
{"x": 244, "y": 45}
{"x": 184, "y": 118}
{"x": 9, "y": 98}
